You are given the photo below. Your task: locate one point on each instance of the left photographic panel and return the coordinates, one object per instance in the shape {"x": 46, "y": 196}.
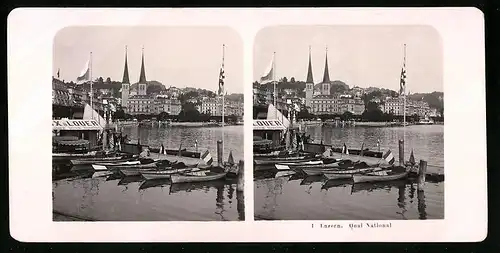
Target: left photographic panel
{"x": 147, "y": 124}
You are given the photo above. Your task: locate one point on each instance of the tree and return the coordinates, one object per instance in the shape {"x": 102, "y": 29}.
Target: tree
{"x": 304, "y": 114}
{"x": 119, "y": 114}
{"x": 162, "y": 116}
{"x": 292, "y": 79}
{"x": 108, "y": 80}
{"x": 347, "y": 115}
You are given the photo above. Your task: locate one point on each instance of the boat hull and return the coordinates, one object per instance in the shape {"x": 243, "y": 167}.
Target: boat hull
{"x": 134, "y": 172}
{"x": 285, "y": 160}
{"x": 99, "y": 160}
{"x": 188, "y": 179}
{"x": 374, "y": 178}
{"x": 162, "y": 174}
{"x": 119, "y": 163}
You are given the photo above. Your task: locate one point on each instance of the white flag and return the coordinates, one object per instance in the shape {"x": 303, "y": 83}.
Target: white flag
{"x": 85, "y": 74}
{"x": 269, "y": 74}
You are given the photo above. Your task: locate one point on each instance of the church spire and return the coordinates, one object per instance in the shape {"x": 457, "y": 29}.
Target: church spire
{"x": 326, "y": 75}
{"x": 309, "y": 70}
{"x": 142, "y": 78}
{"x": 125, "y": 71}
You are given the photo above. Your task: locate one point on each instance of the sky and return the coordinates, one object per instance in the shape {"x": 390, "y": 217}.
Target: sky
{"x": 174, "y": 56}
{"x": 361, "y": 56}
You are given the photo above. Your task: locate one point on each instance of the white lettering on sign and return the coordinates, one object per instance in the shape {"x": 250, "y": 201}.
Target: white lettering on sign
{"x": 75, "y": 124}
{"x": 268, "y": 125}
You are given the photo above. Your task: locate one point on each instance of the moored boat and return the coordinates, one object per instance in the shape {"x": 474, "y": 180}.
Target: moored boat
{"x": 163, "y": 174}
{"x": 132, "y": 162}
{"x": 378, "y": 176}
{"x": 119, "y": 167}
{"x": 192, "y": 177}
{"x": 135, "y": 172}
{"x": 284, "y": 159}
{"x": 342, "y": 173}
{"x": 86, "y": 161}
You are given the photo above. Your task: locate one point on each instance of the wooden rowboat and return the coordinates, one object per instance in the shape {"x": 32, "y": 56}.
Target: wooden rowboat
{"x": 191, "y": 177}
{"x": 346, "y": 174}
{"x": 314, "y": 162}
{"x": 85, "y": 161}
{"x": 163, "y": 174}
{"x": 378, "y": 176}
{"x": 119, "y": 163}
{"x": 347, "y": 171}
{"x": 282, "y": 160}
{"x": 119, "y": 167}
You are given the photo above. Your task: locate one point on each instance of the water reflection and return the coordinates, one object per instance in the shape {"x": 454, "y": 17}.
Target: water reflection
{"x": 111, "y": 196}
{"x": 421, "y": 205}
{"x": 206, "y": 138}
{"x": 397, "y": 196}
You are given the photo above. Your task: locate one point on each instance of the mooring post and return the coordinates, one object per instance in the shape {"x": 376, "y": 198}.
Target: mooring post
{"x": 421, "y": 175}
{"x": 401, "y": 152}
{"x": 219, "y": 153}
{"x": 104, "y": 140}
{"x": 241, "y": 176}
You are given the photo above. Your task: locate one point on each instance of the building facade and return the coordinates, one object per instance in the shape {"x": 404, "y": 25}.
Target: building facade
{"x": 396, "y": 106}
{"x": 213, "y": 107}
{"x": 334, "y": 104}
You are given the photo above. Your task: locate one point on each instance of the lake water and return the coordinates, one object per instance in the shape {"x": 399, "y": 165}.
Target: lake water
{"x": 97, "y": 196}
{"x": 313, "y": 198}
{"x": 173, "y": 137}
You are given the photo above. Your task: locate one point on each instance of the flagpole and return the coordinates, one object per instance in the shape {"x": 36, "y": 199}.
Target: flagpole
{"x": 404, "y": 88}
{"x": 91, "y": 91}
{"x": 274, "y": 82}
{"x": 223, "y": 93}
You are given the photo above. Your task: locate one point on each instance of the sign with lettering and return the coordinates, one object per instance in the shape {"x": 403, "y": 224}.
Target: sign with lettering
{"x": 276, "y": 125}
{"x": 75, "y": 124}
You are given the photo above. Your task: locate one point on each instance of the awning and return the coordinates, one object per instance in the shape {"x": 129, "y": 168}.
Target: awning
{"x": 76, "y": 124}
{"x": 269, "y": 125}
{"x": 64, "y": 138}
{"x": 74, "y": 143}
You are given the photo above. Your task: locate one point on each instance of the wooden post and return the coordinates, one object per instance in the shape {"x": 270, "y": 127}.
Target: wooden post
{"x": 104, "y": 139}
{"x": 241, "y": 176}
{"x": 421, "y": 175}
{"x": 219, "y": 153}
{"x": 401, "y": 152}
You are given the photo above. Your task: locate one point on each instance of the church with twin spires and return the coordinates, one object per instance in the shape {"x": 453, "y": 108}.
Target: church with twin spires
{"x": 321, "y": 101}
{"x": 137, "y": 101}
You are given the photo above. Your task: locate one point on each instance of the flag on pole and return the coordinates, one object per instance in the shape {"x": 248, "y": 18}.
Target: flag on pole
{"x": 268, "y": 75}
{"x": 85, "y": 74}
{"x": 230, "y": 159}
{"x": 221, "y": 80}
{"x": 389, "y": 157}
{"x": 412, "y": 158}
{"x": 402, "y": 82}
{"x": 207, "y": 158}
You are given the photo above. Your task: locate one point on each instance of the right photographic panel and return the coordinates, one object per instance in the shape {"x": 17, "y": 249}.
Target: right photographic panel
{"x": 348, "y": 123}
